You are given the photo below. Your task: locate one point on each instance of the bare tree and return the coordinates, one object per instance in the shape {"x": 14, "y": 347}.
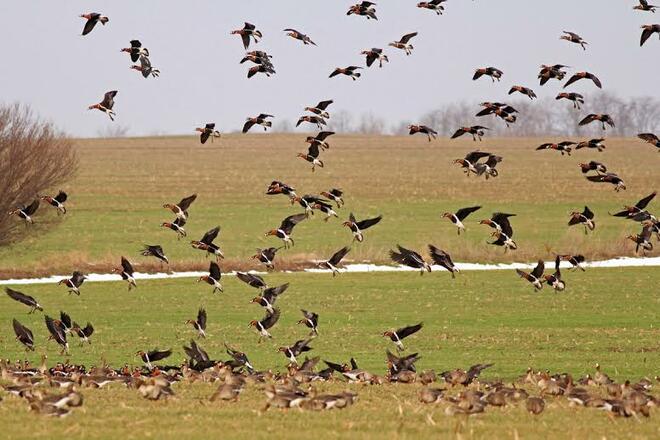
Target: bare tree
{"x": 341, "y": 122}
{"x": 34, "y": 157}
{"x": 371, "y": 124}
{"x": 114, "y": 131}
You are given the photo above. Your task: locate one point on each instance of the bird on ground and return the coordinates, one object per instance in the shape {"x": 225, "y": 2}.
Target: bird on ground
{"x": 575, "y": 260}
{"x": 651, "y": 138}
{"x": 23, "y": 335}
{"x": 585, "y": 218}
{"x": 252, "y": 280}
{"x": 298, "y": 348}
{"x": 73, "y": 284}
{"x": 155, "y": 251}
{"x": 93, "y": 18}
{"x": 266, "y": 256}
{"x": 57, "y": 333}
{"x": 311, "y": 321}
{"x": 493, "y": 72}
{"x": 592, "y": 166}
{"x": 286, "y": 228}
{"x": 335, "y": 195}
{"x": 443, "y": 259}
{"x": 126, "y": 272}
{"x": 153, "y": 356}
{"x": 488, "y": 168}
{"x": 57, "y": 202}
{"x": 213, "y": 278}
{"x": 457, "y": 217}
{"x": 638, "y": 211}
{"x": 84, "y": 333}
{"x": 258, "y": 120}
{"x": 470, "y": 160}
{"x": 334, "y": 261}
{"x": 397, "y": 336}
{"x": 106, "y": 105}
{"x": 428, "y": 131}
{"x": 136, "y": 50}
{"x": 591, "y": 143}
{"x": 199, "y": 324}
{"x": 647, "y": 31}
{"x": 177, "y": 226}
{"x": 642, "y": 240}
{"x": 181, "y": 209}
{"x": 357, "y": 227}
{"x": 535, "y": 405}
{"x": 524, "y": 91}
{"x": 26, "y": 212}
{"x": 410, "y": 258}
{"x": 206, "y": 244}
{"x": 312, "y": 119}
{"x": 555, "y": 280}
{"x": 535, "y": 277}
{"x": 312, "y": 156}
{"x": 602, "y": 118}
{"x": 503, "y": 230}
{"x": 612, "y": 178}
{"x": 145, "y": 68}
{"x": 22, "y": 298}
{"x": 299, "y": 36}
{"x": 247, "y": 32}
{"x": 208, "y": 131}
{"x": 551, "y": 72}
{"x": 265, "y": 324}
{"x": 574, "y": 38}
{"x": 433, "y": 5}
{"x": 348, "y": 71}
{"x": 404, "y": 43}
{"x": 269, "y": 296}
{"x": 477, "y": 131}
{"x": 575, "y": 98}
{"x": 321, "y": 109}
{"x": 563, "y": 147}
{"x": 584, "y": 75}
{"x": 375, "y": 54}
{"x": 645, "y": 6}
{"x": 365, "y": 9}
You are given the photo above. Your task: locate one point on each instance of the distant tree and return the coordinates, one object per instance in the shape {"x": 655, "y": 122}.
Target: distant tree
{"x": 114, "y": 131}
{"x": 283, "y": 126}
{"x": 341, "y": 122}
{"x": 371, "y": 124}
{"x": 34, "y": 158}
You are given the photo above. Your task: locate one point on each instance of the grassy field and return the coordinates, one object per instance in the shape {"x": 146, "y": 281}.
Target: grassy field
{"x": 606, "y": 315}
{"x": 116, "y": 198}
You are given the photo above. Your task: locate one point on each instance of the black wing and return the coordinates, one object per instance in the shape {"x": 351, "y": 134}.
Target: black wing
{"x": 270, "y": 319}
{"x": 474, "y": 156}
{"x": 32, "y": 207}
{"x": 127, "y": 266}
{"x": 89, "y": 25}
{"x": 156, "y": 355}
{"x": 201, "y": 318}
{"x": 251, "y": 280}
{"x": 364, "y": 224}
{"x": 407, "y": 37}
{"x": 288, "y": 223}
{"x": 273, "y": 292}
{"x": 185, "y": 203}
{"x": 339, "y": 255}
{"x": 645, "y": 201}
{"x": 407, "y": 331}
{"x": 66, "y": 319}
{"x": 210, "y": 235}
{"x": 61, "y": 197}
{"x": 464, "y": 212}
{"x": 214, "y": 271}
{"x": 588, "y": 213}
{"x": 538, "y": 270}
{"x": 21, "y": 297}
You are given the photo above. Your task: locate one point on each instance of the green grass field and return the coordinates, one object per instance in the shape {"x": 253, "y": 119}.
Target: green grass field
{"x": 116, "y": 200}
{"x": 606, "y": 315}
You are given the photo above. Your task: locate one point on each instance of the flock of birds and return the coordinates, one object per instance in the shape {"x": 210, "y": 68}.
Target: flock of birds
{"x": 284, "y": 390}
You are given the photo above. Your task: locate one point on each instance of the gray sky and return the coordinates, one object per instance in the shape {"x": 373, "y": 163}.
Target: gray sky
{"x": 50, "y": 66}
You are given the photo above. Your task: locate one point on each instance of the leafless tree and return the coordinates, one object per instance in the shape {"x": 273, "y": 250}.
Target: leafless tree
{"x": 114, "y": 131}
{"x": 34, "y": 158}
{"x": 341, "y": 122}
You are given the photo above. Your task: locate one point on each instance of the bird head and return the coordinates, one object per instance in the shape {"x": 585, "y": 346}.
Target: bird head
{"x": 168, "y": 206}
{"x": 271, "y": 232}
{"x": 388, "y": 334}
{"x": 92, "y": 107}
{"x": 304, "y": 156}
{"x": 347, "y": 224}
{"x": 256, "y": 300}
{"x": 166, "y": 225}
{"x": 486, "y": 222}
{"x": 253, "y": 323}
{"x": 447, "y": 215}
{"x": 302, "y": 321}
{"x": 296, "y": 198}
{"x": 203, "y": 278}
{"x": 189, "y": 321}
{"x": 14, "y": 212}
{"x": 459, "y": 161}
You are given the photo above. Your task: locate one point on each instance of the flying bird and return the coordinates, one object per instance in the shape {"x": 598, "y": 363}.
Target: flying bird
{"x": 551, "y": 72}
{"x": 266, "y": 256}
{"x": 248, "y": 31}
{"x": 642, "y": 240}
{"x": 585, "y": 218}
{"x": 611, "y": 178}
{"x": 404, "y": 43}
{"x": 503, "y": 230}
{"x": 375, "y": 54}
{"x": 555, "y": 280}
{"x": 208, "y": 131}
{"x": 311, "y": 321}
{"x": 136, "y": 50}
{"x": 563, "y": 147}
{"x": 23, "y": 335}
{"x": 638, "y": 211}
{"x": 348, "y": 71}
{"x": 206, "y": 244}
{"x": 397, "y": 336}
{"x": 22, "y": 298}
{"x": 299, "y": 36}
{"x": 593, "y": 166}
{"x": 335, "y": 195}
{"x": 493, "y": 72}
{"x": 266, "y": 323}
{"x": 213, "y": 278}
{"x": 575, "y": 261}
{"x": 57, "y": 202}
{"x": 298, "y": 348}
{"x": 428, "y": 131}
{"x": 645, "y": 6}
{"x": 312, "y": 119}
{"x": 477, "y": 131}
{"x": 312, "y": 156}
{"x": 155, "y": 251}
{"x": 524, "y": 91}
{"x": 575, "y": 98}
{"x": 334, "y": 261}
{"x": 651, "y": 138}
{"x": 153, "y": 356}
{"x": 460, "y": 215}
{"x": 73, "y": 284}
{"x": 535, "y": 277}
{"x": 647, "y": 31}
{"x": 84, "y": 333}
{"x": 106, "y": 105}
{"x": 145, "y": 68}
{"x": 126, "y": 272}
{"x": 199, "y": 324}
{"x": 602, "y": 118}
{"x": 93, "y": 18}
{"x": 177, "y": 226}
{"x": 357, "y": 227}
{"x": 321, "y": 109}
{"x": 286, "y": 228}
{"x": 572, "y": 37}
{"x": 365, "y": 9}
{"x": 433, "y": 5}
{"x": 470, "y": 161}
{"x": 584, "y": 75}
{"x": 258, "y": 120}
{"x": 591, "y": 143}
{"x": 57, "y": 333}
{"x": 443, "y": 259}
{"x": 252, "y": 280}
{"x": 26, "y": 212}
{"x": 269, "y": 296}
{"x": 181, "y": 209}
{"x": 410, "y": 258}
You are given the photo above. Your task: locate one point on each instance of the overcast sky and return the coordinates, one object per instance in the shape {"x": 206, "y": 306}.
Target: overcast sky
{"x": 49, "y": 65}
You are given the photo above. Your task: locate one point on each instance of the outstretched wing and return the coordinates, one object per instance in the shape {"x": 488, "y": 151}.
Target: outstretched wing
{"x": 185, "y": 203}
{"x": 407, "y": 331}
{"x": 339, "y": 255}
{"x": 214, "y": 271}
{"x": 210, "y": 235}
{"x": 364, "y": 224}
{"x": 464, "y": 212}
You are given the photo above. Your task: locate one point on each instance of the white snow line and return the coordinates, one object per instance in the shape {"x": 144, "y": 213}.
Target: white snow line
{"x": 354, "y": 268}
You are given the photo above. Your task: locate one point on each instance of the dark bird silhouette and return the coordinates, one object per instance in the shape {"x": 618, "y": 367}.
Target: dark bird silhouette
{"x": 93, "y": 18}
{"x": 404, "y": 43}
{"x": 252, "y": 280}
{"x": 266, "y": 256}
{"x": 126, "y": 272}
{"x": 136, "y": 50}
{"x": 266, "y": 323}
{"x": 311, "y": 321}
{"x": 460, "y": 215}
{"x": 213, "y": 278}
{"x": 269, "y": 296}
{"x": 647, "y": 31}
{"x": 586, "y": 218}
{"x": 199, "y": 324}
{"x": 443, "y": 259}
{"x": 286, "y": 228}
{"x": 357, "y": 227}
{"x": 208, "y": 131}
{"x": 206, "y": 244}
{"x": 145, "y": 68}
{"x": 57, "y": 333}
{"x": 602, "y": 118}
{"x": 258, "y": 120}
{"x": 73, "y": 284}
{"x": 26, "y": 212}
{"x": 106, "y": 105}
{"x": 23, "y": 335}
{"x": 22, "y": 298}
{"x": 555, "y": 280}
{"x": 334, "y": 261}
{"x": 247, "y": 32}
{"x": 397, "y": 336}
{"x": 153, "y": 356}
{"x": 181, "y": 209}
{"x": 410, "y": 258}
{"x": 535, "y": 277}
{"x": 57, "y": 202}
{"x": 611, "y": 178}
{"x": 584, "y": 75}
